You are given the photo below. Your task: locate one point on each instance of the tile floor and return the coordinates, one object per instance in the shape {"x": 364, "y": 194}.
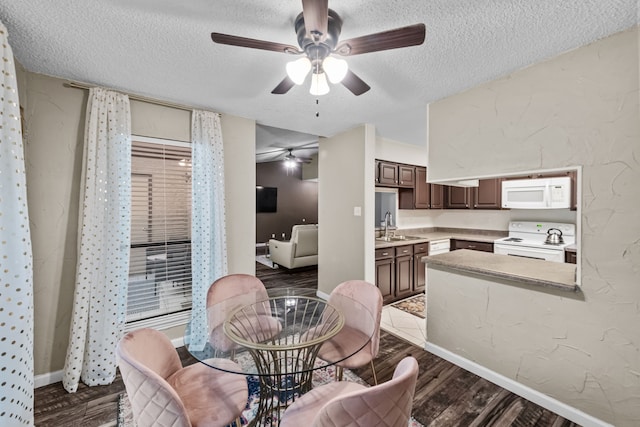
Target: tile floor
{"x": 404, "y": 325}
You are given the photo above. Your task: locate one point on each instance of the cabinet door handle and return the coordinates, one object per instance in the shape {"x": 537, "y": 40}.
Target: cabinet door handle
{"x": 385, "y": 253}
{"x": 471, "y": 246}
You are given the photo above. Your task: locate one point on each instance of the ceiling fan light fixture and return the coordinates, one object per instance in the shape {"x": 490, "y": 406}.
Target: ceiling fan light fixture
{"x": 290, "y": 163}
{"x": 319, "y": 85}
{"x": 335, "y": 69}
{"x": 297, "y": 70}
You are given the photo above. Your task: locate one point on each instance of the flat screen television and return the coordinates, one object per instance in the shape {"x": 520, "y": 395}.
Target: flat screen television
{"x": 266, "y": 199}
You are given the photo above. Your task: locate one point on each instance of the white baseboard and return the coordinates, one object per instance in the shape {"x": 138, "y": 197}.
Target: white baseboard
{"x": 46, "y": 379}
{"x": 322, "y": 295}
{"x": 528, "y": 393}
{"x": 56, "y": 377}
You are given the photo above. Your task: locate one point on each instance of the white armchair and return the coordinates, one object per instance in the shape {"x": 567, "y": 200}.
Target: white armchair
{"x": 300, "y": 251}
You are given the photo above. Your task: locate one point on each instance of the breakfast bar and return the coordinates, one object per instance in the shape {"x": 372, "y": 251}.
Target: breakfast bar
{"x": 533, "y": 272}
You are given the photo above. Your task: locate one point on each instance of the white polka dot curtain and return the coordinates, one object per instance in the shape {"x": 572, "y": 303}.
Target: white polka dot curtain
{"x": 16, "y": 267}
{"x": 208, "y": 235}
{"x": 102, "y": 269}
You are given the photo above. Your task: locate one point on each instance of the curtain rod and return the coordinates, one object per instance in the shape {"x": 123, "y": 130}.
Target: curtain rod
{"x": 134, "y": 97}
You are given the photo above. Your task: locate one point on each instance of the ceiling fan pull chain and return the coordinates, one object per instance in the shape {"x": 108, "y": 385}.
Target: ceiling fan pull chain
{"x": 317, "y": 112}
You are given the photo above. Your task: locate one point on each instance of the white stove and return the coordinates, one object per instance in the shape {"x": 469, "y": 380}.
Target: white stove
{"x": 529, "y": 240}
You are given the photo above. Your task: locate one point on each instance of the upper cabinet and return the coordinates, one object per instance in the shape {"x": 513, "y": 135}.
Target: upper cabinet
{"x": 407, "y": 176}
{"x": 488, "y": 194}
{"x": 457, "y": 197}
{"x": 422, "y": 192}
{"x": 415, "y": 193}
{"x": 386, "y": 173}
{"x": 437, "y": 196}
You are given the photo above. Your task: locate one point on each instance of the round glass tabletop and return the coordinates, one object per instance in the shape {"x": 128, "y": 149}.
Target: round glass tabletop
{"x": 274, "y": 333}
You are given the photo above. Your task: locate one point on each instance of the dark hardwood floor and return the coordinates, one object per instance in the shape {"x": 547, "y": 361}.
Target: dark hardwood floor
{"x": 446, "y": 395}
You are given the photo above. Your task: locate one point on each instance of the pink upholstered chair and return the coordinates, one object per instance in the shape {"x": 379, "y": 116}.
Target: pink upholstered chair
{"x": 348, "y": 404}
{"x": 164, "y": 393}
{"x": 355, "y": 327}
{"x": 236, "y": 290}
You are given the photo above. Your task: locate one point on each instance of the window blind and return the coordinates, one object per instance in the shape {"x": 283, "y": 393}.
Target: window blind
{"x": 160, "y": 259}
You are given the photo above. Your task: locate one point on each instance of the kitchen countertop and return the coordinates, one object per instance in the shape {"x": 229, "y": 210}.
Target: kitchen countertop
{"x": 439, "y": 235}
{"x": 555, "y": 275}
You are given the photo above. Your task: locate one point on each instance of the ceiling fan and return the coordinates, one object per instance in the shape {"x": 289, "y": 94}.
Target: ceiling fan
{"x": 318, "y": 29}
{"x": 289, "y": 158}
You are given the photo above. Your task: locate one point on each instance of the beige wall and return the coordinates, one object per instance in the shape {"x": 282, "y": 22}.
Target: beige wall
{"x": 54, "y": 121}
{"x": 579, "y": 109}
{"x": 345, "y": 181}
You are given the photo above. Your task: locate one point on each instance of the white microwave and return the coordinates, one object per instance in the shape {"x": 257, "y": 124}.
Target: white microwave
{"x": 540, "y": 193}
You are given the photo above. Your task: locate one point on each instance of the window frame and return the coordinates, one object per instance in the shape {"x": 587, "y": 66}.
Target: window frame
{"x": 169, "y": 320}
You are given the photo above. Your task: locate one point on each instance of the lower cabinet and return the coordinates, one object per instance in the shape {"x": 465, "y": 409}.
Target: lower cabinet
{"x": 404, "y": 271}
{"x": 471, "y": 244}
{"x": 386, "y": 273}
{"x": 419, "y": 277}
{"x": 399, "y": 272}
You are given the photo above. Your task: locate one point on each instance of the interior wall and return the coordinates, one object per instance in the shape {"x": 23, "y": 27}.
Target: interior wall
{"x": 297, "y": 201}
{"x": 344, "y": 185}
{"x": 239, "y": 136}
{"x": 54, "y": 135}
{"x": 579, "y": 109}
{"x": 399, "y": 152}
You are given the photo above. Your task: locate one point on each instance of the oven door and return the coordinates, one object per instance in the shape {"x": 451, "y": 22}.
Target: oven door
{"x": 529, "y": 252}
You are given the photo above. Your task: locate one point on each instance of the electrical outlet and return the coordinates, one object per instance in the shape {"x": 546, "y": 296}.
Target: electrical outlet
{"x": 357, "y": 211}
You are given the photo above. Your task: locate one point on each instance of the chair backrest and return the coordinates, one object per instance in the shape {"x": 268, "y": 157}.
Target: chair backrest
{"x": 146, "y": 358}
{"x": 234, "y": 285}
{"x": 305, "y": 238}
{"x": 229, "y": 293}
{"x": 369, "y": 296}
{"x": 388, "y": 404}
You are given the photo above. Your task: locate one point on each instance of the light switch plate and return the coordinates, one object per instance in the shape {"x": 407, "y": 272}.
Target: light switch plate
{"x": 357, "y": 211}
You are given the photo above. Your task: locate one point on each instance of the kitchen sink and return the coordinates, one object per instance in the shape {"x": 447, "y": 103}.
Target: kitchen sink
{"x": 396, "y": 238}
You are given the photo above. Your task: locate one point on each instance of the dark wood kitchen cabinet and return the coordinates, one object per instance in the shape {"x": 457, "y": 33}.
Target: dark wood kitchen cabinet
{"x": 471, "y": 244}
{"x": 406, "y": 176}
{"x": 404, "y": 271}
{"x": 425, "y": 195}
{"x": 422, "y": 190}
{"x": 457, "y": 197}
{"x": 437, "y": 196}
{"x": 488, "y": 194}
{"x": 385, "y": 273}
{"x": 386, "y": 173}
{"x": 570, "y": 256}
{"x": 419, "y": 277}
{"x": 399, "y": 272}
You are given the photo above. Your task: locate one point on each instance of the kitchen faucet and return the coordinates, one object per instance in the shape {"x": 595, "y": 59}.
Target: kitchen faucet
{"x": 387, "y": 221}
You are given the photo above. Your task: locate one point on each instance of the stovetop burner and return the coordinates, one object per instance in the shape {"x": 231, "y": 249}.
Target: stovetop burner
{"x": 526, "y": 234}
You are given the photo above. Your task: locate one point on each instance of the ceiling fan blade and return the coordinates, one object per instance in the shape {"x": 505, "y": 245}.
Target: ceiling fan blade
{"x": 355, "y": 84}
{"x": 393, "y": 39}
{"x": 316, "y": 18}
{"x": 284, "y": 86}
{"x": 253, "y": 43}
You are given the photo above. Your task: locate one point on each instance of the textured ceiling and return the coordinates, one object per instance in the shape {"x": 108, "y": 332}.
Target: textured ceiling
{"x": 163, "y": 49}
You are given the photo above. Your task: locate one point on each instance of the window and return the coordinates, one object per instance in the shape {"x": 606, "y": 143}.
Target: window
{"x": 159, "y": 292}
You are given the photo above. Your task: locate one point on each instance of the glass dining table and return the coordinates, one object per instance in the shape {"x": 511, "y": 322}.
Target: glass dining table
{"x": 275, "y": 338}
